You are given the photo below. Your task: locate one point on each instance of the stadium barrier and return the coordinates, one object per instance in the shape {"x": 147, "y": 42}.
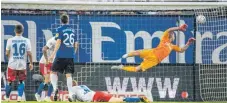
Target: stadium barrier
{"x": 164, "y": 82}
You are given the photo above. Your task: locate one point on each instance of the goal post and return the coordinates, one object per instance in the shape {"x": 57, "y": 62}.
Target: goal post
{"x": 107, "y": 30}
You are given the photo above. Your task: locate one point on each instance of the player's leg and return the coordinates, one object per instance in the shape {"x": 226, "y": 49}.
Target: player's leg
{"x": 141, "y": 53}
{"x": 54, "y": 81}
{"x": 42, "y": 84}
{"x": 102, "y": 97}
{"x": 149, "y": 61}
{"x": 129, "y": 99}
{"x": 56, "y": 67}
{"x": 69, "y": 70}
{"x": 131, "y": 54}
{"x": 45, "y": 70}
{"x": 8, "y": 90}
{"x": 50, "y": 87}
{"x": 146, "y": 64}
{"x": 20, "y": 88}
{"x": 11, "y": 76}
{"x": 49, "y": 92}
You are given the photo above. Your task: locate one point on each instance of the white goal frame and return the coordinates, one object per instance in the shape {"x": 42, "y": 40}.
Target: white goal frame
{"x": 72, "y": 5}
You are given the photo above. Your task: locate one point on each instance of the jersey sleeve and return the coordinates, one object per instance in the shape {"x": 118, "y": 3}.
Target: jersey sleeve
{"x": 176, "y": 48}
{"x": 29, "y": 47}
{"x": 50, "y": 43}
{"x": 8, "y": 44}
{"x": 58, "y": 35}
{"x": 165, "y": 36}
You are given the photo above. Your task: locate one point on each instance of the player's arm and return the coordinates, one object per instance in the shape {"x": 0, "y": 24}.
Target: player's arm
{"x": 57, "y": 46}
{"x": 181, "y": 28}
{"x": 58, "y": 39}
{"x": 8, "y": 54}
{"x": 29, "y": 53}
{"x": 183, "y": 49}
{"x": 44, "y": 50}
{"x": 8, "y": 49}
{"x": 172, "y": 29}
{"x": 76, "y": 46}
{"x": 50, "y": 43}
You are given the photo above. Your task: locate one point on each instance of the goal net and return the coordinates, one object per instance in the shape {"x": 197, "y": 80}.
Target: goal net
{"x": 213, "y": 69}
{"x": 106, "y": 31}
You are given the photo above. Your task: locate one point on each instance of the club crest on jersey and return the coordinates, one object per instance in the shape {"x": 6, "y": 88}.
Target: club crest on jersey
{"x": 56, "y": 35}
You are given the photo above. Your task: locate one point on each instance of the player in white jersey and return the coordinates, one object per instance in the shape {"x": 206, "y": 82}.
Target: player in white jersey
{"x": 45, "y": 68}
{"x": 83, "y": 94}
{"x": 17, "y": 50}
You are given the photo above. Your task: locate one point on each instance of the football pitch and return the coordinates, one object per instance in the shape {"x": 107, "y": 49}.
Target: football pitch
{"x": 103, "y": 102}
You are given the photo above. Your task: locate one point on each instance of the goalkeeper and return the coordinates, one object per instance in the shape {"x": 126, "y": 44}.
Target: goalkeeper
{"x": 152, "y": 57}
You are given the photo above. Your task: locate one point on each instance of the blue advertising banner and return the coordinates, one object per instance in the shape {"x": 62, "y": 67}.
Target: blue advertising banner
{"x": 105, "y": 38}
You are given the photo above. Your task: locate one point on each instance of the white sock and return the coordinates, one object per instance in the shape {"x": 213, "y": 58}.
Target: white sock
{"x": 69, "y": 85}
{"x": 54, "y": 81}
{"x": 125, "y": 56}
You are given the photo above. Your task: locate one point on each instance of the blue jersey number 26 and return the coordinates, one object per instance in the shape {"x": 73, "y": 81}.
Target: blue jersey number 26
{"x": 69, "y": 39}
{"x": 19, "y": 49}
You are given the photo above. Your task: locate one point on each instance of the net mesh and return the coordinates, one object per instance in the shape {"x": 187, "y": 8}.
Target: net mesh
{"x": 105, "y": 35}
{"x": 213, "y": 70}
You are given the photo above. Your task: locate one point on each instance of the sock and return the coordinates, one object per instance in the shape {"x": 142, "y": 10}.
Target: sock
{"x": 129, "y": 68}
{"x": 132, "y": 99}
{"x": 130, "y": 54}
{"x": 20, "y": 88}
{"x": 54, "y": 80}
{"x": 8, "y": 89}
{"x": 40, "y": 89}
{"x": 50, "y": 90}
{"x": 69, "y": 85}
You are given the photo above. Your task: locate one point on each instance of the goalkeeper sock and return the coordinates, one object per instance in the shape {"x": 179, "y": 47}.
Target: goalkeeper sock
{"x": 132, "y": 99}
{"x": 8, "y": 89}
{"x": 40, "y": 89}
{"x": 127, "y": 55}
{"x": 20, "y": 88}
{"x": 54, "y": 81}
{"x": 50, "y": 90}
{"x": 69, "y": 85}
{"x": 129, "y": 68}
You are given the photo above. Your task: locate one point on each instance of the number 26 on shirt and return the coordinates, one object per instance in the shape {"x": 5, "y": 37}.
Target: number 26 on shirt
{"x": 69, "y": 39}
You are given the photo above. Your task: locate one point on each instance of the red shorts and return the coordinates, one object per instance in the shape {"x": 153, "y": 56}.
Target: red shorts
{"x": 45, "y": 69}
{"x": 101, "y": 97}
{"x": 12, "y": 74}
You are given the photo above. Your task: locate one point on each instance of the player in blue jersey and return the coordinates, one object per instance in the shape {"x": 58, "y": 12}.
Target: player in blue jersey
{"x": 64, "y": 51}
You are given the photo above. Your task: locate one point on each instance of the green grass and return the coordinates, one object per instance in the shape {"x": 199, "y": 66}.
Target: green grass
{"x": 103, "y": 102}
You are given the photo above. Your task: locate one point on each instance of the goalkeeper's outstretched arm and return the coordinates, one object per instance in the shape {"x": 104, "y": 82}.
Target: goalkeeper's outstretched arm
{"x": 181, "y": 28}
{"x": 190, "y": 40}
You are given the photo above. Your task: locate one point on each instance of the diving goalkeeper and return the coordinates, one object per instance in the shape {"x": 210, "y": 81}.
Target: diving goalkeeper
{"x": 152, "y": 57}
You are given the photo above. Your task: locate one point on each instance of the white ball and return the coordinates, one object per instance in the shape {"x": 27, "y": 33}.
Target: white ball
{"x": 201, "y": 19}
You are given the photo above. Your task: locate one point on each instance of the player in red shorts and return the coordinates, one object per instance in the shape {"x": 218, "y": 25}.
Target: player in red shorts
{"x": 84, "y": 94}
{"x": 45, "y": 69}
{"x": 17, "y": 50}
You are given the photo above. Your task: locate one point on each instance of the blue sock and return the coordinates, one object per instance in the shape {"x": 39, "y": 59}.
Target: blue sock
{"x": 132, "y": 99}
{"x": 40, "y": 89}
{"x": 20, "y": 88}
{"x": 50, "y": 90}
{"x": 8, "y": 89}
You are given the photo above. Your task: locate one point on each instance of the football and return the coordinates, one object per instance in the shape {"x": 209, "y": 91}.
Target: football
{"x": 201, "y": 19}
